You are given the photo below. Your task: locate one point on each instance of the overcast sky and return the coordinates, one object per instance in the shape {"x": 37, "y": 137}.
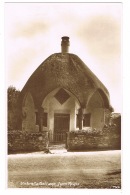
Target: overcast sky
{"x": 33, "y": 31}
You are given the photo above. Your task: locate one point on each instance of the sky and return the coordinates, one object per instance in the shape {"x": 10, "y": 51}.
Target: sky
{"x": 33, "y": 32}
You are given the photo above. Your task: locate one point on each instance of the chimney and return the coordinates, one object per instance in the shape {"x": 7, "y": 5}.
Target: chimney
{"x": 65, "y": 44}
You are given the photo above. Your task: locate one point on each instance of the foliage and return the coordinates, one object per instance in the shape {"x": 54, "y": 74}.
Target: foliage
{"x": 116, "y": 120}
{"x": 13, "y": 108}
{"x": 86, "y": 132}
{"x": 108, "y": 129}
{"x": 13, "y": 95}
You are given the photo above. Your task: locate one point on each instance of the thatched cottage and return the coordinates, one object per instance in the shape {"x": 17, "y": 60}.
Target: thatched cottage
{"x": 64, "y": 95}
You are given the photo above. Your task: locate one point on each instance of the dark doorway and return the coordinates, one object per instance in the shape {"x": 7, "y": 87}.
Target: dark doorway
{"x": 61, "y": 127}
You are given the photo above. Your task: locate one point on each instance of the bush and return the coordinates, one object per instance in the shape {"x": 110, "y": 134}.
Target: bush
{"x": 86, "y": 132}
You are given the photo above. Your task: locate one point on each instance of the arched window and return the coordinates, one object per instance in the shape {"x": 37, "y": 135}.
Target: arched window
{"x": 86, "y": 120}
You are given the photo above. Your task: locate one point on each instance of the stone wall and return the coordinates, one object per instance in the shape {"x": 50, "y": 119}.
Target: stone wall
{"x": 19, "y": 141}
{"x": 107, "y": 139}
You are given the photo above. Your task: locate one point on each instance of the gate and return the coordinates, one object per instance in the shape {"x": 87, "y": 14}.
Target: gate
{"x": 61, "y": 127}
{"x": 58, "y": 137}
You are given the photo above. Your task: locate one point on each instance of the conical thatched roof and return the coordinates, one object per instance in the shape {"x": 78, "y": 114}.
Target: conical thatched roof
{"x": 66, "y": 71}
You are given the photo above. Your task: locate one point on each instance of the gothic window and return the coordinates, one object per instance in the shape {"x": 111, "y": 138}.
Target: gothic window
{"x": 86, "y": 120}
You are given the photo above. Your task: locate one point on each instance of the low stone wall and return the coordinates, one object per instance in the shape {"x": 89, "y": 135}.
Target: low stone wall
{"x": 19, "y": 141}
{"x": 104, "y": 140}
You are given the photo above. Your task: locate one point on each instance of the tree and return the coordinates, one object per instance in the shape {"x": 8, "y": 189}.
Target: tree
{"x": 13, "y": 107}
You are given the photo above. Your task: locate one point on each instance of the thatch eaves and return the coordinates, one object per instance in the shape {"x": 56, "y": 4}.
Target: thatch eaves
{"x": 66, "y": 71}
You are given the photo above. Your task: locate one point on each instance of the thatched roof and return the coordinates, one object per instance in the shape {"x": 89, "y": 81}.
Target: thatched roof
{"x": 66, "y": 71}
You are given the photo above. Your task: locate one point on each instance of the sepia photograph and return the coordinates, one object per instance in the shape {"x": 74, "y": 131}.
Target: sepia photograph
{"x": 64, "y": 95}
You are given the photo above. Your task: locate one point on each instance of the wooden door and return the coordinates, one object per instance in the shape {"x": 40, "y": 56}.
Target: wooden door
{"x": 61, "y": 126}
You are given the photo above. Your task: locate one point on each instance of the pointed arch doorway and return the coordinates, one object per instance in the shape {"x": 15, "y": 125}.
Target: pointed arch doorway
{"x": 61, "y": 107}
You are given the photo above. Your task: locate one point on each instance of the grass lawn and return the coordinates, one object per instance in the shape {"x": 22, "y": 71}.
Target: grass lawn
{"x": 91, "y": 170}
